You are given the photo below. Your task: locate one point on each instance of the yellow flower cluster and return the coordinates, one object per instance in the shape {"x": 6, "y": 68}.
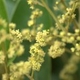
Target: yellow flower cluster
{"x": 17, "y": 70}
{"x": 15, "y": 37}
{"x": 32, "y": 3}
{"x": 56, "y": 49}
{"x": 13, "y": 50}
{"x": 76, "y": 49}
{"x": 37, "y": 56}
{"x": 67, "y": 37}
{"x": 69, "y": 14}
{"x": 43, "y": 38}
{"x": 28, "y": 34}
{"x": 35, "y": 14}
{"x": 14, "y": 47}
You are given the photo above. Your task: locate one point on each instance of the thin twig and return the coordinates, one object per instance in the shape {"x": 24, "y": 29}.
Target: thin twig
{"x": 52, "y": 14}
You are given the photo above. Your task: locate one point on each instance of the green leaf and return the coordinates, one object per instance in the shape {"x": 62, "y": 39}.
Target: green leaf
{"x": 11, "y": 6}
{"x": 3, "y": 12}
{"x": 21, "y": 15}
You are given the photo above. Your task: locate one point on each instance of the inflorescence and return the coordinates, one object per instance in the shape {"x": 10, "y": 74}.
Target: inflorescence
{"x": 56, "y": 38}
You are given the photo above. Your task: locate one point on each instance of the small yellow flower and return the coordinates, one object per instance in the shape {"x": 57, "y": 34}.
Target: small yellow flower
{"x": 31, "y": 23}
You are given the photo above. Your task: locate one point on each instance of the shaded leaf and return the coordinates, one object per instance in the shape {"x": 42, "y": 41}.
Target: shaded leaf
{"x": 11, "y": 6}
{"x": 3, "y": 12}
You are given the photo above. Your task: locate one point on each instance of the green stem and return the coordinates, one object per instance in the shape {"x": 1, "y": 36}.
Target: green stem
{"x": 32, "y": 73}
{"x": 76, "y": 23}
{"x": 40, "y": 3}
{"x": 52, "y": 14}
{"x": 30, "y": 77}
